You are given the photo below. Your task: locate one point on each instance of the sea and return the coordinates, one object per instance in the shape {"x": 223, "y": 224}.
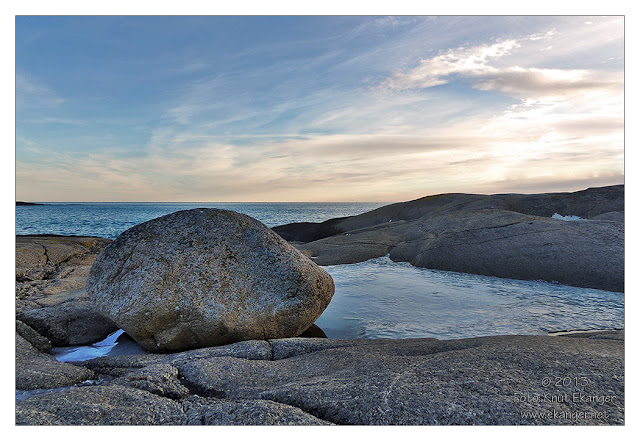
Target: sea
{"x": 378, "y": 298}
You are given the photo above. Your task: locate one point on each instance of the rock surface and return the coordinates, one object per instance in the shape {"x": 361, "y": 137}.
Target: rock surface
{"x": 488, "y": 380}
{"x": 38, "y": 370}
{"x": 51, "y": 273}
{"x": 574, "y": 379}
{"x": 214, "y": 411}
{"x": 69, "y": 323}
{"x": 39, "y": 342}
{"x": 511, "y": 236}
{"x": 99, "y": 405}
{"x": 206, "y": 277}
{"x": 51, "y": 270}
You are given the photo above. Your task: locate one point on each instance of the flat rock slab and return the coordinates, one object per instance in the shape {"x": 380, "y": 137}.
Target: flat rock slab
{"x": 69, "y": 323}
{"x": 489, "y": 380}
{"x": 51, "y": 270}
{"x": 213, "y": 411}
{"x": 504, "y": 235}
{"x": 574, "y": 379}
{"x": 99, "y": 405}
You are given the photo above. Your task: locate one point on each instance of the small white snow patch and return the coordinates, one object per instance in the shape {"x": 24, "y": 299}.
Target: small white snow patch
{"x": 567, "y": 218}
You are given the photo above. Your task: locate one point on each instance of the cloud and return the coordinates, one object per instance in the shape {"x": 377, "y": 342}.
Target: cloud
{"x": 533, "y": 82}
{"x": 267, "y": 134}
{"x": 33, "y": 93}
{"x": 432, "y": 71}
{"x": 487, "y": 66}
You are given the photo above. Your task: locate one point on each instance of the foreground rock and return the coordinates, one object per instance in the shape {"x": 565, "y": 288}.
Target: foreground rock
{"x": 206, "y": 277}
{"x": 96, "y": 405}
{"x": 69, "y": 324}
{"x": 51, "y": 273}
{"x": 51, "y": 270}
{"x": 573, "y": 379}
{"x": 511, "y": 236}
{"x": 39, "y": 370}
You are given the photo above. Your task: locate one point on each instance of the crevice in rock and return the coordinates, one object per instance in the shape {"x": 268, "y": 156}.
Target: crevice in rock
{"x": 316, "y": 415}
{"x": 196, "y": 390}
{"x": 123, "y": 262}
{"x": 46, "y": 255}
{"x": 321, "y": 414}
{"x": 270, "y": 350}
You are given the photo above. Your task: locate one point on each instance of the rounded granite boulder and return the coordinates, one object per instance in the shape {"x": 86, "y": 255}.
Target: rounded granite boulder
{"x": 206, "y": 277}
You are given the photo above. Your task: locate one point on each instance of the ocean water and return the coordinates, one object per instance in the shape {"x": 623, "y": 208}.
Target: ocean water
{"x": 374, "y": 299}
{"x": 109, "y": 219}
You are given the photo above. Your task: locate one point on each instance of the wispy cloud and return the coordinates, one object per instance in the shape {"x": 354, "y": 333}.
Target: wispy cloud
{"x": 533, "y": 82}
{"x": 476, "y": 63}
{"x": 31, "y": 92}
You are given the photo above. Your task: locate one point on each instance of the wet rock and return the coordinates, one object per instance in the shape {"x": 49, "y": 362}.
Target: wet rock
{"x": 206, "y": 277}
{"x": 314, "y": 331}
{"x": 123, "y": 364}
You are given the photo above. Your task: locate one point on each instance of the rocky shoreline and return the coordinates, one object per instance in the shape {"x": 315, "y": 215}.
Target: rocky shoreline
{"x": 486, "y": 380}
{"x": 575, "y": 378}
{"x": 506, "y": 235}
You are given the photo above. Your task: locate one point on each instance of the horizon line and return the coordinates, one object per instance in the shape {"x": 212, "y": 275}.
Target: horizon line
{"x": 300, "y": 202}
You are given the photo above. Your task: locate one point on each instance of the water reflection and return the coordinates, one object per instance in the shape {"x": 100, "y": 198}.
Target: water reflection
{"x": 383, "y": 299}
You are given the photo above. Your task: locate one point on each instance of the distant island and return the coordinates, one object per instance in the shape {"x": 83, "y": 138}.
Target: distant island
{"x": 20, "y": 203}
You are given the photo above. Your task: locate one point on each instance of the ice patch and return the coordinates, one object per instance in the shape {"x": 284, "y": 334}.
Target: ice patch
{"x": 116, "y": 343}
{"x": 567, "y": 218}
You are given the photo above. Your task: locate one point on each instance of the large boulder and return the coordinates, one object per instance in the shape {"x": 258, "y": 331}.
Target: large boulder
{"x": 206, "y": 277}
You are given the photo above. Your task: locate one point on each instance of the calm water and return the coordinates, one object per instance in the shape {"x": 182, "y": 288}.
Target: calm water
{"x": 384, "y": 299}
{"x": 374, "y": 299}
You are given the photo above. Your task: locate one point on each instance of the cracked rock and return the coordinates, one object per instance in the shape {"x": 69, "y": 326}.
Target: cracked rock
{"x": 159, "y": 379}
{"x": 99, "y": 405}
{"x": 213, "y": 411}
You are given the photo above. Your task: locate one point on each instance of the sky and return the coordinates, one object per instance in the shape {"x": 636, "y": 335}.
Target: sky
{"x": 315, "y": 108}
